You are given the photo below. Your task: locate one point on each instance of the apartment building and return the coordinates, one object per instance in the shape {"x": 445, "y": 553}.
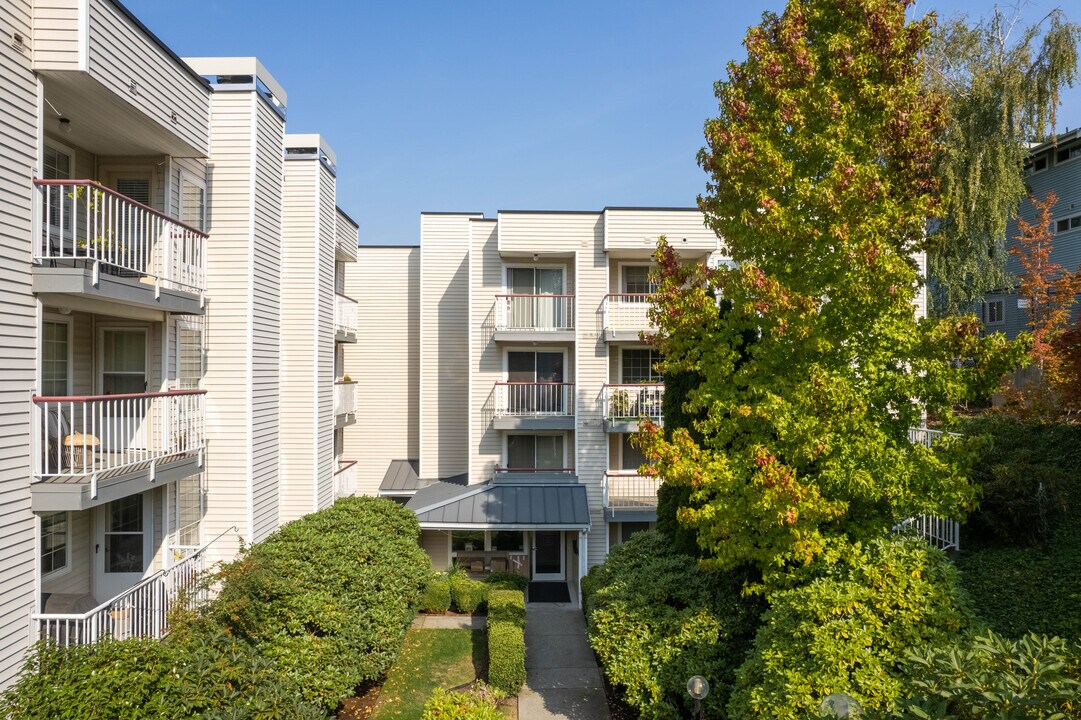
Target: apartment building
{"x": 144, "y": 216}
{"x": 1052, "y": 166}
{"x": 514, "y": 448}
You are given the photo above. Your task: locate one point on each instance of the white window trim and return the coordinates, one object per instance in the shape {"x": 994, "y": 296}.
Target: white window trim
{"x": 59, "y": 572}
{"x": 66, "y": 320}
{"x": 61, "y": 148}
{"x": 1060, "y": 163}
{"x": 1031, "y": 168}
{"x": 535, "y": 349}
{"x": 107, "y": 171}
{"x": 619, "y": 360}
{"x": 188, "y": 177}
{"x": 99, "y": 379}
{"x": 623, "y": 278}
{"x": 182, "y": 323}
{"x": 1068, "y": 219}
{"x": 987, "y": 302}
{"x": 507, "y": 267}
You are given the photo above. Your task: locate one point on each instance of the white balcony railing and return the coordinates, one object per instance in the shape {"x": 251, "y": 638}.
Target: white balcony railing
{"x": 345, "y": 397}
{"x": 142, "y": 611}
{"x": 627, "y": 312}
{"x": 345, "y": 315}
{"x": 942, "y": 533}
{"x": 345, "y": 479}
{"x": 627, "y": 490}
{"x": 634, "y": 402}
{"x": 525, "y": 399}
{"x": 534, "y": 312}
{"x": 89, "y": 435}
{"x": 84, "y": 222}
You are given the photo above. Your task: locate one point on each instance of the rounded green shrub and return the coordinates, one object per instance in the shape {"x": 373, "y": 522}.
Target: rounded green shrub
{"x": 848, "y": 630}
{"x": 467, "y": 595}
{"x": 436, "y": 598}
{"x": 506, "y": 656}
{"x": 655, "y": 618}
{"x": 506, "y": 605}
{"x": 507, "y": 580}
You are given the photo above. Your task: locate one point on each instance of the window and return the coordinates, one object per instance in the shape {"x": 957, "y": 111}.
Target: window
{"x": 508, "y": 541}
{"x": 189, "y": 356}
{"x": 1067, "y": 224}
{"x": 538, "y": 388}
{"x": 1068, "y": 153}
{"x": 57, "y": 166}
{"x": 124, "y": 536}
{"x": 467, "y": 541}
{"x": 55, "y": 358}
{"x": 631, "y": 457}
{"x": 1036, "y": 165}
{"x": 192, "y": 203}
{"x": 636, "y": 279}
{"x": 994, "y": 312}
{"x": 535, "y": 452}
{"x": 189, "y": 510}
{"x": 636, "y": 365}
{"x": 123, "y": 362}
{"x": 54, "y": 542}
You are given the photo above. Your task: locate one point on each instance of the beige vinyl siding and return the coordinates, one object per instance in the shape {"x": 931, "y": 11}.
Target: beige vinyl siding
{"x": 229, "y": 375}
{"x": 529, "y": 232}
{"x": 307, "y": 339}
{"x": 120, "y": 53}
{"x": 18, "y": 337}
{"x": 266, "y": 280}
{"x": 437, "y": 544}
{"x": 633, "y": 229}
{"x": 56, "y": 34}
{"x": 486, "y": 278}
{"x": 444, "y": 344}
{"x": 385, "y": 363}
{"x": 346, "y": 232}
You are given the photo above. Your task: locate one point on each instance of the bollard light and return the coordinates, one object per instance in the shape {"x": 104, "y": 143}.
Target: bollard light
{"x": 840, "y": 705}
{"x": 698, "y": 689}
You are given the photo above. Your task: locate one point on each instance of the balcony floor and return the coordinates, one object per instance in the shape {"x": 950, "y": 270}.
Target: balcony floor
{"x": 72, "y": 492}
{"x": 71, "y": 282}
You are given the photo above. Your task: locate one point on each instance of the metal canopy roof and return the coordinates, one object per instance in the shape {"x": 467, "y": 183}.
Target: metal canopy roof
{"x": 502, "y": 506}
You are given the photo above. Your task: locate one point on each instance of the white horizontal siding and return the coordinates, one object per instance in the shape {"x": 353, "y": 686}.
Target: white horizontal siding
{"x": 634, "y": 229}
{"x": 486, "y": 280}
{"x": 385, "y": 363}
{"x": 56, "y": 38}
{"x": 525, "y": 232}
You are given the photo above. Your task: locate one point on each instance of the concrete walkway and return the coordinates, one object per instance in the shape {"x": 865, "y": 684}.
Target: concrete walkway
{"x": 450, "y": 622}
{"x": 562, "y": 678}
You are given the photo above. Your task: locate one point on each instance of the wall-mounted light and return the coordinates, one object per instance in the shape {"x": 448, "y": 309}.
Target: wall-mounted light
{"x": 535, "y": 257}
{"x": 65, "y": 310}
{"x": 65, "y": 126}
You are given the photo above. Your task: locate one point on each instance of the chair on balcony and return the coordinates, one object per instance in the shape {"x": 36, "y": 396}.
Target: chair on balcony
{"x": 56, "y": 427}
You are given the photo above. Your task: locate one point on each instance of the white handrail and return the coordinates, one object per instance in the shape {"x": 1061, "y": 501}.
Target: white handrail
{"x": 86, "y": 435}
{"x": 634, "y": 401}
{"x": 535, "y": 312}
{"x": 345, "y": 397}
{"x": 628, "y": 312}
{"x": 84, "y": 221}
{"x": 526, "y": 399}
{"x": 942, "y": 533}
{"x": 345, "y": 314}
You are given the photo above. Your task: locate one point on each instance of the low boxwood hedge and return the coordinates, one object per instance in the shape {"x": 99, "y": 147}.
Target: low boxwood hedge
{"x": 506, "y": 656}
{"x": 506, "y": 605}
{"x": 436, "y": 598}
{"x": 467, "y": 595}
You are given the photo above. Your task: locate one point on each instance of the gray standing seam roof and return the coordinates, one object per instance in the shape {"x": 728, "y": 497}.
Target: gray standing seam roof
{"x": 401, "y": 476}
{"x": 541, "y": 506}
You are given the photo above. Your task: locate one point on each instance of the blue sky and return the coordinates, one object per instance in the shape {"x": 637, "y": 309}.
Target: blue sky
{"x": 484, "y": 105}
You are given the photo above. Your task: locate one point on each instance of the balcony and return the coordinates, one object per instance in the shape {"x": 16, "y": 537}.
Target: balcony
{"x": 534, "y": 318}
{"x": 534, "y": 406}
{"x": 345, "y": 318}
{"x": 100, "y": 246}
{"x": 626, "y": 316}
{"x": 345, "y": 403}
{"x": 345, "y": 479}
{"x": 142, "y": 611}
{"x": 95, "y": 449}
{"x": 630, "y": 496}
{"x": 626, "y": 405}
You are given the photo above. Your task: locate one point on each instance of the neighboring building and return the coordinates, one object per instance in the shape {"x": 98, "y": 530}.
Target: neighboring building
{"x": 147, "y": 310}
{"x": 532, "y": 379}
{"x": 1051, "y": 167}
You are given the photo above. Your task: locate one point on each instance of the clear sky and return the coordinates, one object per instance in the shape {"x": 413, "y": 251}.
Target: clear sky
{"x": 486, "y": 105}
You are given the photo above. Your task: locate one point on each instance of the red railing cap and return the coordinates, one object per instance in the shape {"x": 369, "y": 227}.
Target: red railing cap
{"x": 634, "y": 385}
{"x": 534, "y": 383}
{"x": 344, "y": 465}
{"x": 630, "y": 294}
{"x": 126, "y": 396}
{"x": 98, "y": 186}
{"x": 514, "y": 295}
{"x": 343, "y": 295}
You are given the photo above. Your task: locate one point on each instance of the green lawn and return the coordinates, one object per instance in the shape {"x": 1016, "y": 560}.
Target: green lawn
{"x": 430, "y": 659}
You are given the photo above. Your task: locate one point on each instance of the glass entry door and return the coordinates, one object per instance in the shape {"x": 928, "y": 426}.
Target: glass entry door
{"x": 548, "y": 555}
{"x": 541, "y": 311}
{"x": 121, "y": 545}
{"x": 542, "y": 373}
{"x": 123, "y": 372}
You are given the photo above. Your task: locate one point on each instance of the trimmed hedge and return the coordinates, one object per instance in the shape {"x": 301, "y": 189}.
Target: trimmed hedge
{"x": 436, "y": 598}
{"x": 301, "y": 620}
{"x": 506, "y": 656}
{"x": 506, "y": 605}
{"x": 506, "y": 640}
{"x": 507, "y": 581}
{"x": 467, "y": 595}
{"x": 655, "y": 618}
{"x": 849, "y": 631}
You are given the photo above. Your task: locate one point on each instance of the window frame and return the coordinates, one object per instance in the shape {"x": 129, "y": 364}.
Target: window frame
{"x": 987, "y": 303}
{"x": 621, "y": 267}
{"x": 66, "y": 320}
{"x": 655, "y": 378}
{"x": 67, "y": 566}
{"x": 190, "y": 178}
{"x": 507, "y": 267}
{"x": 537, "y": 433}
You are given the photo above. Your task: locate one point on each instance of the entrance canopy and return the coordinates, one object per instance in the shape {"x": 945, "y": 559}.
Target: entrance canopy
{"x": 502, "y": 506}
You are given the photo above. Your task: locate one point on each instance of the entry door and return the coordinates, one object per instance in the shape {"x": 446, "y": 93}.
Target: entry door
{"x": 122, "y": 544}
{"x": 123, "y": 372}
{"x": 548, "y": 555}
{"x": 130, "y": 250}
{"x": 536, "y": 368}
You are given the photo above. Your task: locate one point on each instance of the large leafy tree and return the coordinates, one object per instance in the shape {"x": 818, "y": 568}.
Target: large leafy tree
{"x": 822, "y": 180}
{"x": 1003, "y": 81}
